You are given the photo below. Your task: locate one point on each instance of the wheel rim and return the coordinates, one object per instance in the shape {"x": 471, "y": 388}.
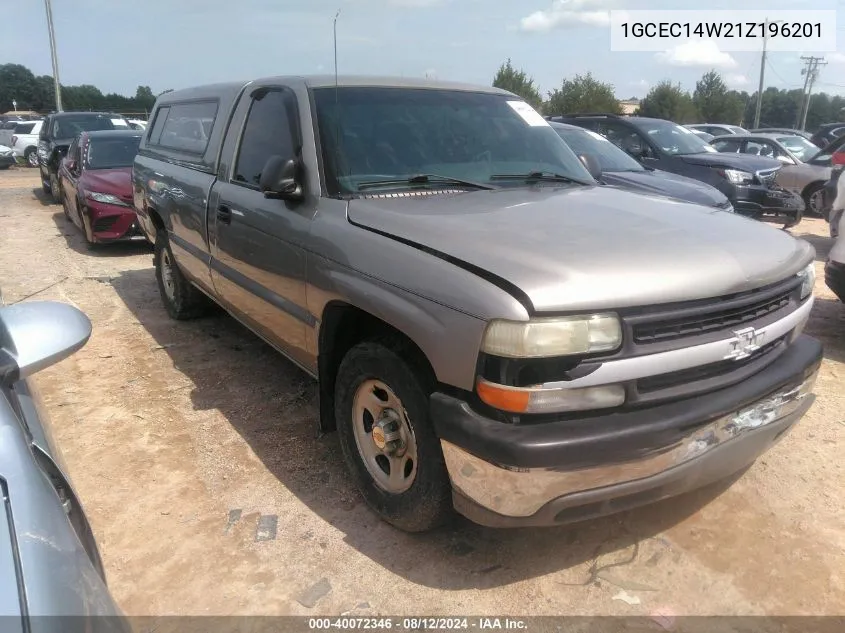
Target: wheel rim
{"x": 32, "y": 159}
{"x": 384, "y": 436}
{"x": 816, "y": 201}
{"x": 167, "y": 275}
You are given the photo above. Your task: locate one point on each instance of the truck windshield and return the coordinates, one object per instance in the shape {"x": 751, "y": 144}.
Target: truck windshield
{"x": 112, "y": 153}
{"x": 372, "y": 133}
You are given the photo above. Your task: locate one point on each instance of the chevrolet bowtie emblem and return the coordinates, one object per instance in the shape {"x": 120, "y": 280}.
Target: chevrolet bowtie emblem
{"x": 744, "y": 343}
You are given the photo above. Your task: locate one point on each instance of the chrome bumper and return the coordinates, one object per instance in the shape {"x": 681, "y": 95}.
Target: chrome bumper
{"x": 514, "y": 492}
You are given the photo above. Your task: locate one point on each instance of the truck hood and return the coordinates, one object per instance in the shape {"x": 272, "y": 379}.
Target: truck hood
{"x": 573, "y": 248}
{"x": 745, "y": 162}
{"x": 665, "y": 183}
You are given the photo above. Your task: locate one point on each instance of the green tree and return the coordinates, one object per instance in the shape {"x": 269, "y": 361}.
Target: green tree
{"x": 668, "y": 101}
{"x": 582, "y": 94}
{"x": 517, "y": 82}
{"x": 17, "y": 83}
{"x": 715, "y": 104}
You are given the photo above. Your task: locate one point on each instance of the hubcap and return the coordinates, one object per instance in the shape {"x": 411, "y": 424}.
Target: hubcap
{"x": 816, "y": 201}
{"x": 384, "y": 436}
{"x": 32, "y": 159}
{"x": 167, "y": 275}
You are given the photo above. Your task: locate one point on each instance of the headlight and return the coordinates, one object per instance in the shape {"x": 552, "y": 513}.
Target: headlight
{"x": 105, "y": 198}
{"x": 808, "y": 276}
{"x": 543, "y": 338}
{"x": 736, "y": 176}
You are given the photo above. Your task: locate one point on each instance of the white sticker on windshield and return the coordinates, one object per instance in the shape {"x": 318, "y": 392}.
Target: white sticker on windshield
{"x": 528, "y": 114}
{"x": 118, "y": 123}
{"x": 597, "y": 136}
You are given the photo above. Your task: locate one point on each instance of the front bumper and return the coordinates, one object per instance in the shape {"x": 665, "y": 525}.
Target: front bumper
{"x": 110, "y": 223}
{"x": 570, "y": 470}
{"x": 768, "y": 205}
{"x": 834, "y": 278}
{"x": 7, "y": 161}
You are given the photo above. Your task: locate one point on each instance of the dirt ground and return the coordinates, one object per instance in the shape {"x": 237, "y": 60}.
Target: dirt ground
{"x": 192, "y": 446}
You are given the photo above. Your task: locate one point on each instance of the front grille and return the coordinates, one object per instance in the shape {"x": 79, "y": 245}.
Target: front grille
{"x": 105, "y": 223}
{"x": 721, "y": 314}
{"x": 689, "y": 377}
{"x": 767, "y": 176}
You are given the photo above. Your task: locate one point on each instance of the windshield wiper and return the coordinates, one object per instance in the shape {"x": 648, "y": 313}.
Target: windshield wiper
{"x": 423, "y": 179}
{"x": 537, "y": 176}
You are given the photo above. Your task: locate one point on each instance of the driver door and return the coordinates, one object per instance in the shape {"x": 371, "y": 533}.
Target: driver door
{"x": 69, "y": 178}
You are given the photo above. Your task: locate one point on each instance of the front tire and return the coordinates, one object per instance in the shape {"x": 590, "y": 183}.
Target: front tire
{"x": 814, "y": 200}
{"x": 55, "y": 188}
{"x": 31, "y": 156}
{"x": 181, "y": 299}
{"x": 388, "y": 441}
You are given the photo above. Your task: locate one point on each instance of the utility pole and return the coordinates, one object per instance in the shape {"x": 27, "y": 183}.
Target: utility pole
{"x": 762, "y": 74}
{"x": 56, "y": 82}
{"x": 811, "y": 73}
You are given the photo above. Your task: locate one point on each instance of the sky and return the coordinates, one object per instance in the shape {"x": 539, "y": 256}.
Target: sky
{"x": 117, "y": 45}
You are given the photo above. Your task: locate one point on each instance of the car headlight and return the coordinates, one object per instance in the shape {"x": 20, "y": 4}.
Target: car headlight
{"x": 737, "y": 176}
{"x": 559, "y": 336}
{"x": 105, "y": 198}
{"x": 808, "y": 276}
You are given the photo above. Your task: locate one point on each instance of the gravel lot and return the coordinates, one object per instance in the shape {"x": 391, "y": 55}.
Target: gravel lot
{"x": 193, "y": 448}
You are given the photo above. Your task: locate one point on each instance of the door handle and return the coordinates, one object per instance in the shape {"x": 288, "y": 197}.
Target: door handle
{"x": 224, "y": 214}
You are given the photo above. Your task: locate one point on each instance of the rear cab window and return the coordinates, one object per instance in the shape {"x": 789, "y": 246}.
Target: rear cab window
{"x": 184, "y": 127}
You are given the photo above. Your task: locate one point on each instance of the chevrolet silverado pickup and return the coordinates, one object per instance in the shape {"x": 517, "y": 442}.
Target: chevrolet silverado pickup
{"x": 492, "y": 331}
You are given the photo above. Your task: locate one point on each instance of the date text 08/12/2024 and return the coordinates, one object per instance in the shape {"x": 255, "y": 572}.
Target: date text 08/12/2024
{"x": 418, "y": 624}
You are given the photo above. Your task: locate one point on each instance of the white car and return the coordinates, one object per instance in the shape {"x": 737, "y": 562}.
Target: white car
{"x": 138, "y": 124}
{"x": 24, "y": 141}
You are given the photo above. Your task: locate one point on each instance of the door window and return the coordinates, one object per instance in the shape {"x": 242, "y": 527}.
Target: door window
{"x": 726, "y": 145}
{"x": 626, "y": 139}
{"x": 271, "y": 130}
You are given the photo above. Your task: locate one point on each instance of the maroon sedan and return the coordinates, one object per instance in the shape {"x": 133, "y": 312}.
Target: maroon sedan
{"x": 96, "y": 184}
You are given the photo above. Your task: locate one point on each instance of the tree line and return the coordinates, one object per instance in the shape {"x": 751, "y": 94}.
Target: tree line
{"x": 19, "y": 84}
{"x": 710, "y": 102}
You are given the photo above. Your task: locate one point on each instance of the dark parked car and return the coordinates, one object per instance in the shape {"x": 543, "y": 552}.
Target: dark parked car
{"x": 96, "y": 185}
{"x": 610, "y": 165}
{"x": 828, "y": 133}
{"x": 49, "y": 562}
{"x": 491, "y": 330}
{"x": 747, "y": 181}
{"x": 58, "y": 132}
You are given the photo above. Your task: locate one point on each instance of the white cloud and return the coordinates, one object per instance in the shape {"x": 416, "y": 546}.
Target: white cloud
{"x": 696, "y": 53}
{"x": 736, "y": 80}
{"x": 565, "y": 13}
{"x": 835, "y": 58}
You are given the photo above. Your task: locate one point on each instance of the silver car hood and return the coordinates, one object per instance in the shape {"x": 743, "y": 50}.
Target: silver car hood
{"x": 574, "y": 248}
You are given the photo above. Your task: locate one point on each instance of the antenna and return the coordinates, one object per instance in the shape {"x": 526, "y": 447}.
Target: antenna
{"x": 336, "y": 105}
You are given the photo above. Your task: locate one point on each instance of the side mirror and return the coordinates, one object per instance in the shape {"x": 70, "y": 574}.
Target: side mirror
{"x": 592, "y": 164}
{"x": 786, "y": 160}
{"x": 70, "y": 164}
{"x": 280, "y": 179}
{"x": 38, "y": 334}
{"x": 838, "y": 158}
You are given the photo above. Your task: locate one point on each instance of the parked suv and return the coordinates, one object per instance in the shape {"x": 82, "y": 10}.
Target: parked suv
{"x": 491, "y": 330}
{"x": 25, "y": 141}
{"x": 828, "y": 133}
{"x": 747, "y": 181}
{"x": 57, "y": 133}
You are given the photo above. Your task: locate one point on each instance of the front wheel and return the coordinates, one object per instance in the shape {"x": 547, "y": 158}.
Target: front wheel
{"x": 814, "y": 200}
{"x": 55, "y": 188}
{"x": 181, "y": 299}
{"x": 31, "y": 156}
{"x": 388, "y": 442}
